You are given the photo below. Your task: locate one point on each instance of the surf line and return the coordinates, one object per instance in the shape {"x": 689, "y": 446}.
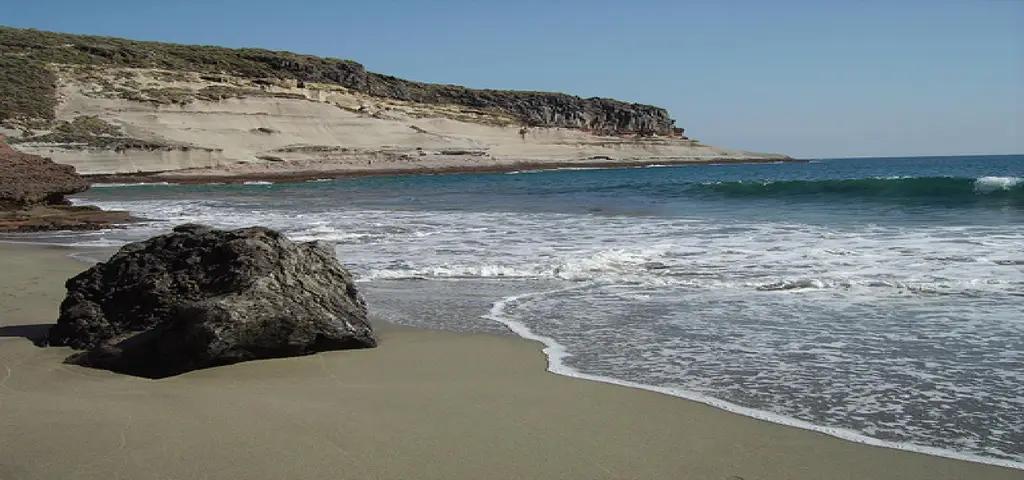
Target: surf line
{"x": 554, "y": 351}
{"x": 557, "y": 353}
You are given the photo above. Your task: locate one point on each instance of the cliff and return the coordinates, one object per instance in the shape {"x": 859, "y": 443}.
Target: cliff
{"x": 25, "y": 54}
{"x": 112, "y": 106}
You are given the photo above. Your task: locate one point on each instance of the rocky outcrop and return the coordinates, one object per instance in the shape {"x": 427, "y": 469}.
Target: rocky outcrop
{"x": 32, "y": 196}
{"x": 30, "y": 180}
{"x": 34, "y": 51}
{"x": 599, "y": 115}
{"x": 60, "y": 217}
{"x": 200, "y": 297}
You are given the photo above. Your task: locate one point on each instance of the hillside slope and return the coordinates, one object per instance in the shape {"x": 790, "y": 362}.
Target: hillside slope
{"x": 114, "y": 106}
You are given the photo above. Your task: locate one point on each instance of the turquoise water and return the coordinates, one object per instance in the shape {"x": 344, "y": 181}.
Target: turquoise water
{"x": 877, "y": 300}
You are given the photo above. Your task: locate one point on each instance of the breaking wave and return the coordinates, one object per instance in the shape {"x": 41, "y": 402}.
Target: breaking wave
{"x": 922, "y": 188}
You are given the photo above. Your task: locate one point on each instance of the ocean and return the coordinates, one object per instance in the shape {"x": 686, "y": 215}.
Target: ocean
{"x": 878, "y": 300}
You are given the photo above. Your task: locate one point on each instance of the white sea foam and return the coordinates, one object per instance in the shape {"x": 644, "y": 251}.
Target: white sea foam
{"x": 557, "y": 354}
{"x": 641, "y": 251}
{"x": 994, "y": 184}
{"x": 258, "y": 182}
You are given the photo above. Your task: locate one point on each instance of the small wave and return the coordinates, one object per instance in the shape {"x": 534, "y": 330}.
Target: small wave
{"x": 258, "y": 182}
{"x": 795, "y": 285}
{"x": 621, "y": 270}
{"x": 943, "y": 188}
{"x": 631, "y": 266}
{"x": 995, "y": 184}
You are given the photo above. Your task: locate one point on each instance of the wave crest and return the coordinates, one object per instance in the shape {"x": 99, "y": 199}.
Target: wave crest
{"x": 948, "y": 188}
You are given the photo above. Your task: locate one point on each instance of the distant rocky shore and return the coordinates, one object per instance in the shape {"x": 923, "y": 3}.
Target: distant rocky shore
{"x": 33, "y": 191}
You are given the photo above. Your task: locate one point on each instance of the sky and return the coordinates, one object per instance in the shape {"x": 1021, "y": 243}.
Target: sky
{"x": 808, "y": 78}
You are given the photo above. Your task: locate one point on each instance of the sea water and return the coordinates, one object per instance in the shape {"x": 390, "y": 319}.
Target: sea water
{"x": 879, "y": 300}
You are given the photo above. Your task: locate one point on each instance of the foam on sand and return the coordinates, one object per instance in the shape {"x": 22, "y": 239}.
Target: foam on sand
{"x": 557, "y": 354}
{"x": 422, "y": 405}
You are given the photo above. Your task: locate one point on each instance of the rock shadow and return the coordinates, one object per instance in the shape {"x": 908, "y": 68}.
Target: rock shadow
{"x": 33, "y": 333}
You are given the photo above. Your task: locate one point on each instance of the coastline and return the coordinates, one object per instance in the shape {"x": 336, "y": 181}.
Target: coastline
{"x": 282, "y": 174}
{"x": 412, "y": 408}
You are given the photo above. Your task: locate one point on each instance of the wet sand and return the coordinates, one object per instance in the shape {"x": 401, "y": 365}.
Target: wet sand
{"x": 423, "y": 405}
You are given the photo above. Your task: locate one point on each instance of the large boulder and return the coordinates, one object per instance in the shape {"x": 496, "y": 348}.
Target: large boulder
{"x": 200, "y": 297}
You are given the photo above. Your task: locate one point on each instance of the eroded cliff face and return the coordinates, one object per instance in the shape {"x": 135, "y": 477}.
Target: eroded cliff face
{"x": 598, "y": 115}
{"x": 111, "y": 106}
{"x": 31, "y": 52}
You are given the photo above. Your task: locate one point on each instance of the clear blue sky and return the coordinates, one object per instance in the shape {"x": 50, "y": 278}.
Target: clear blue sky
{"x": 814, "y": 78}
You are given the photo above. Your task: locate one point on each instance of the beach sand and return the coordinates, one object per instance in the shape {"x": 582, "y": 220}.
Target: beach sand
{"x": 424, "y": 405}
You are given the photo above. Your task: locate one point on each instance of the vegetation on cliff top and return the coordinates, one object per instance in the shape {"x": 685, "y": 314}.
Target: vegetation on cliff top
{"x": 27, "y": 90}
{"x": 27, "y": 85}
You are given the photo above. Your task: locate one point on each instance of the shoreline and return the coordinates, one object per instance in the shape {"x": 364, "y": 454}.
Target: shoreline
{"x": 61, "y": 255}
{"x": 296, "y": 175}
{"x": 556, "y": 353}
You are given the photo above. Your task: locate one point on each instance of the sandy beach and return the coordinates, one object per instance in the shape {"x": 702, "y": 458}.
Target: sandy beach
{"x": 424, "y": 405}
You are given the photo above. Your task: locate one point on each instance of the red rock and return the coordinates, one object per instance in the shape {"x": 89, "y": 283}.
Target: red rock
{"x": 29, "y": 180}
{"x": 33, "y": 191}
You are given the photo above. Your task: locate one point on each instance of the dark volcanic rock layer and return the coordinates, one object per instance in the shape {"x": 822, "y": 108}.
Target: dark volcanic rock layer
{"x": 200, "y": 297}
{"x": 31, "y": 51}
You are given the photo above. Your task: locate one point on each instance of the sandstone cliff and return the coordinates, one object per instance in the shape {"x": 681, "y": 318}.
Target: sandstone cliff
{"x": 24, "y": 50}
{"x": 116, "y": 106}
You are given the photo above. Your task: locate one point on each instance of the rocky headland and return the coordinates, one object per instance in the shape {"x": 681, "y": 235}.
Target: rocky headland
{"x": 121, "y": 109}
{"x": 33, "y": 191}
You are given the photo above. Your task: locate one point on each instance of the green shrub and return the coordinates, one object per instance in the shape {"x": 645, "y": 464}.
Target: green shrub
{"x": 28, "y": 91}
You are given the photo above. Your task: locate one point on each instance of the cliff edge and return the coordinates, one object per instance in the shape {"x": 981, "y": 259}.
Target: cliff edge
{"x": 117, "y": 106}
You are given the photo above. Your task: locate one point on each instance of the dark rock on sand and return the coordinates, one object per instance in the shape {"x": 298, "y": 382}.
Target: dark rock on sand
{"x": 60, "y": 217}
{"x": 200, "y": 297}
{"x": 32, "y": 196}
